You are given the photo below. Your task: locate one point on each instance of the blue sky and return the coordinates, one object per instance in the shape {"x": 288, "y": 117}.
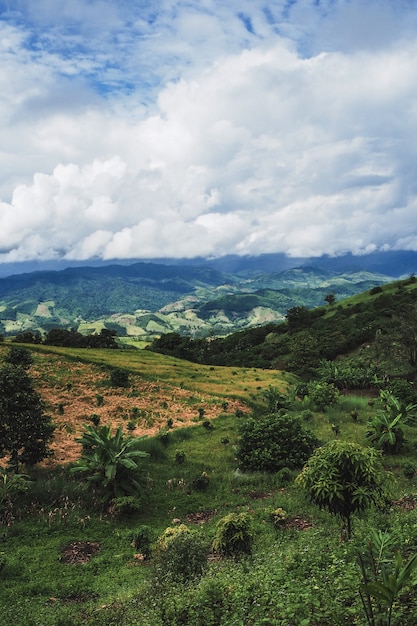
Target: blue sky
{"x": 138, "y": 129}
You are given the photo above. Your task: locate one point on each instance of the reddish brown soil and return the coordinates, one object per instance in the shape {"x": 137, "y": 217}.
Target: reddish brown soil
{"x": 70, "y": 390}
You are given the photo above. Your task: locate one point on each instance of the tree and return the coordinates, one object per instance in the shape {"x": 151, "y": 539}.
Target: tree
{"x": 330, "y": 299}
{"x": 19, "y": 356}
{"x": 25, "y": 430}
{"x": 271, "y": 442}
{"x": 344, "y": 478}
{"x": 110, "y": 461}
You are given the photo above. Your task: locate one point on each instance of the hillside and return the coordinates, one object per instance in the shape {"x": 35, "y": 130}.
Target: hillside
{"x": 311, "y": 335}
{"x": 145, "y": 300}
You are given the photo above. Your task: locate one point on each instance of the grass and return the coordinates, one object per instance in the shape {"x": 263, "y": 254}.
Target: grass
{"x": 301, "y": 575}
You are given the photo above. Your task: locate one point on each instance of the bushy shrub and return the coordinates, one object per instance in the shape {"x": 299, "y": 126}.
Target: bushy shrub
{"x": 201, "y": 482}
{"x": 142, "y": 539}
{"x": 271, "y": 442}
{"x": 278, "y": 517}
{"x": 234, "y": 535}
{"x": 284, "y": 476}
{"x": 180, "y": 457}
{"x": 119, "y": 378}
{"x": 322, "y": 395}
{"x": 409, "y": 469}
{"x": 2, "y": 561}
{"x": 181, "y": 554}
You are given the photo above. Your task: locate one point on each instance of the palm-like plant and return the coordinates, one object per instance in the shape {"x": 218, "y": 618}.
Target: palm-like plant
{"x": 385, "y": 427}
{"x": 111, "y": 461}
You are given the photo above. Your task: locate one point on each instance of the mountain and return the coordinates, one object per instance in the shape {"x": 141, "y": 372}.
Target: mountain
{"x": 145, "y": 299}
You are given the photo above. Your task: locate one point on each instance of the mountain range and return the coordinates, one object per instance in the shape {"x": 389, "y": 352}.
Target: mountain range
{"x": 197, "y": 297}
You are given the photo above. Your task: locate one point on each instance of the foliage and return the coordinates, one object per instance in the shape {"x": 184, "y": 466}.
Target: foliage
{"x": 28, "y": 336}
{"x": 25, "y": 430}
{"x": 274, "y": 398}
{"x": 74, "y": 339}
{"x": 272, "y": 442}
{"x": 384, "y": 577}
{"x": 119, "y": 377}
{"x": 10, "y": 486}
{"x": 322, "y": 395}
{"x": 344, "y": 478}
{"x": 110, "y": 462}
{"x": 385, "y": 427}
{"x": 182, "y": 555}
{"x": 19, "y": 356}
{"x": 234, "y": 535}
{"x": 201, "y": 482}
{"x": 142, "y": 538}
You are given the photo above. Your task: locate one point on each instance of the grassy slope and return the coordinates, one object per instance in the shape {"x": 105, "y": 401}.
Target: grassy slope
{"x": 294, "y": 575}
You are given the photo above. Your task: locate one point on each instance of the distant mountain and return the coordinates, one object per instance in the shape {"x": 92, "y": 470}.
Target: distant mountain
{"x": 398, "y": 263}
{"x": 144, "y": 299}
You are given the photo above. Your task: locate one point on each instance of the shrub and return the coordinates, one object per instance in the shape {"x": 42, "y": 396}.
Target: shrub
{"x": 344, "y": 478}
{"x": 125, "y": 506}
{"x": 409, "y": 469}
{"x": 234, "y": 535}
{"x": 119, "y": 378}
{"x": 2, "y": 561}
{"x": 208, "y": 425}
{"x": 180, "y": 457}
{"x": 273, "y": 442}
{"x": 278, "y": 517}
{"x": 201, "y": 482}
{"x": 181, "y": 554}
{"x": 142, "y": 539}
{"x": 322, "y": 395}
{"x": 284, "y": 476}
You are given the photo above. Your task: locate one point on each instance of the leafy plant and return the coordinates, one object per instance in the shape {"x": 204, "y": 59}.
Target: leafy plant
{"x": 322, "y": 394}
{"x": 344, "y": 478}
{"x": 182, "y": 555}
{"x": 25, "y": 430}
{"x": 119, "y": 377}
{"x": 385, "y": 427}
{"x": 271, "y": 442}
{"x": 110, "y": 461}
{"x": 234, "y": 535}
{"x": 384, "y": 577}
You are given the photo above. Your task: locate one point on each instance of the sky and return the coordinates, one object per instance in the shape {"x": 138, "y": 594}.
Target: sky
{"x": 144, "y": 129}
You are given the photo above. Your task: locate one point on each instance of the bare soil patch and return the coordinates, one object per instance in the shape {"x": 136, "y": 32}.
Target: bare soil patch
{"x": 74, "y": 391}
{"x": 200, "y": 517}
{"x": 79, "y": 552}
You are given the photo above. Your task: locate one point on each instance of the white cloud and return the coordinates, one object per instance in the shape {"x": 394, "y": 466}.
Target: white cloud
{"x": 255, "y": 147}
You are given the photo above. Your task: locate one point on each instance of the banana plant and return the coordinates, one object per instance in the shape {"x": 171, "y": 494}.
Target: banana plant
{"x": 385, "y": 427}
{"x": 110, "y": 461}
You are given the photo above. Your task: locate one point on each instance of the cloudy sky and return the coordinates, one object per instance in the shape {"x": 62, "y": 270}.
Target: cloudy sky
{"x": 153, "y": 128}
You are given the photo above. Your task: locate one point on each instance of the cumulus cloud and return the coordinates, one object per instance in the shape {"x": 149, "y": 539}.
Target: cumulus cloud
{"x": 271, "y": 139}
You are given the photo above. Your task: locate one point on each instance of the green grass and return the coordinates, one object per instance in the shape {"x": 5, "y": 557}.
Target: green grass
{"x": 301, "y": 575}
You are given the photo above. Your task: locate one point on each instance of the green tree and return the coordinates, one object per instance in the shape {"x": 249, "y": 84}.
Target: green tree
{"x": 344, "y": 478}
{"x": 110, "y": 462}
{"x": 271, "y": 442}
{"x": 330, "y": 298}
{"x": 19, "y": 356}
{"x": 25, "y": 430}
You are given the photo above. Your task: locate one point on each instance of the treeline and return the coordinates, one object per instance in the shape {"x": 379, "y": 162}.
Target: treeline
{"x": 309, "y": 336}
{"x": 69, "y": 338}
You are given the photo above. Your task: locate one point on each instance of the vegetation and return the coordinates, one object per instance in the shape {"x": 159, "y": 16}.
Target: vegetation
{"x": 344, "y": 478}
{"x": 25, "y": 430}
{"x": 189, "y": 535}
{"x": 110, "y": 462}
{"x": 271, "y": 442}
